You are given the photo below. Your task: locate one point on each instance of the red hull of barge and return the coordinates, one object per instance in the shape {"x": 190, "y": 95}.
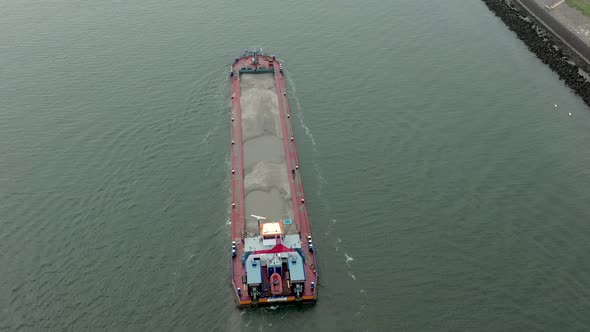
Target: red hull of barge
{"x": 244, "y": 66}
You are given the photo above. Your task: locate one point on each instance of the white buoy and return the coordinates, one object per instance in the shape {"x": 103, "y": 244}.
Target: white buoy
{"x": 555, "y": 105}
{"x": 570, "y": 113}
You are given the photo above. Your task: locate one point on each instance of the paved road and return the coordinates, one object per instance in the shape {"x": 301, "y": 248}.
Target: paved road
{"x": 562, "y": 32}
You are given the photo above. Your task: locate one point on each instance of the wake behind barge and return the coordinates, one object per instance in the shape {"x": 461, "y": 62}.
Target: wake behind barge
{"x": 273, "y": 258}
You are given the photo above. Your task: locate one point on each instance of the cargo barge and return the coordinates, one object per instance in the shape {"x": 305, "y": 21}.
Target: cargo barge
{"x": 272, "y": 252}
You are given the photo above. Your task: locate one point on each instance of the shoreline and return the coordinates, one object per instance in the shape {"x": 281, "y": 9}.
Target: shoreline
{"x": 558, "y": 30}
{"x": 549, "y": 40}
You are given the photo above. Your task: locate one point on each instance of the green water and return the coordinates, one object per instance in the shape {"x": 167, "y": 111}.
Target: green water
{"x": 445, "y": 189}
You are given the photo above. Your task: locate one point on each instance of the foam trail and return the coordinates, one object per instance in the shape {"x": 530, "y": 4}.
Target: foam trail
{"x": 330, "y": 227}
{"x": 308, "y": 133}
{"x": 337, "y": 247}
{"x": 322, "y": 179}
{"x": 208, "y": 135}
{"x": 348, "y": 259}
{"x": 298, "y": 106}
